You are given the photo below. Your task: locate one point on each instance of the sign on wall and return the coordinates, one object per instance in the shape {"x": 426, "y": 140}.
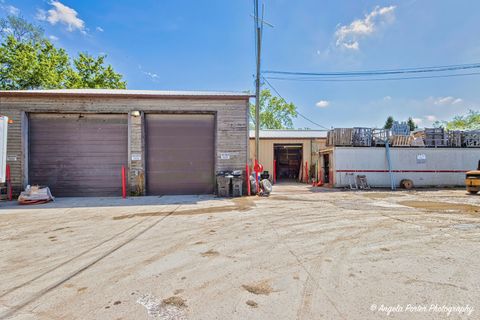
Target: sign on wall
{"x": 3, "y": 147}
{"x": 421, "y": 158}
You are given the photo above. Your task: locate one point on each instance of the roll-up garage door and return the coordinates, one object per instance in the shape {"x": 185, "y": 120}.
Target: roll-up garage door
{"x": 180, "y": 153}
{"x": 78, "y": 154}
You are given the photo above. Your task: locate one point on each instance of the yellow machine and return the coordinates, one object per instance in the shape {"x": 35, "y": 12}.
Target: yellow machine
{"x": 472, "y": 180}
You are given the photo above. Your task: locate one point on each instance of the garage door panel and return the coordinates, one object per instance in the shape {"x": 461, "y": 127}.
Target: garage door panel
{"x": 180, "y": 153}
{"x": 78, "y": 155}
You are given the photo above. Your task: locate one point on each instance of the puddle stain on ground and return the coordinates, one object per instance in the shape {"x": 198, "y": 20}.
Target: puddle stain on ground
{"x": 240, "y": 204}
{"x": 442, "y": 206}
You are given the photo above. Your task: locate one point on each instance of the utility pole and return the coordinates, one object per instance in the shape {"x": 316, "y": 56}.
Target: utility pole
{"x": 257, "y": 86}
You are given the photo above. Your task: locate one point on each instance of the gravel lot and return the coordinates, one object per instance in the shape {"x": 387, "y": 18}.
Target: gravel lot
{"x": 302, "y": 253}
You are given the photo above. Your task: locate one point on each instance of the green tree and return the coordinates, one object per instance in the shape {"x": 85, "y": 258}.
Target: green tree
{"x": 411, "y": 124}
{"x": 32, "y": 65}
{"x": 29, "y": 61}
{"x": 91, "y": 72}
{"x": 389, "y": 123}
{"x": 469, "y": 121}
{"x": 20, "y": 29}
{"x": 275, "y": 113}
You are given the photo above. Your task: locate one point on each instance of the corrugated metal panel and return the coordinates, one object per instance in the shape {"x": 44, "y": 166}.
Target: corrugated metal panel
{"x": 78, "y": 155}
{"x": 180, "y": 153}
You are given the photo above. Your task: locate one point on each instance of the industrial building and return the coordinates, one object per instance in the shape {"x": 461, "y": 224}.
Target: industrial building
{"x": 170, "y": 142}
{"x": 285, "y": 153}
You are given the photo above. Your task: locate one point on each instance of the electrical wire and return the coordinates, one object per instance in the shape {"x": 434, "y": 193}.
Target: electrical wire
{"x": 319, "y": 79}
{"x": 380, "y": 72}
{"x": 301, "y": 115}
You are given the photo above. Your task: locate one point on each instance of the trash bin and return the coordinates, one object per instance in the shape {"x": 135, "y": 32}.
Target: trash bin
{"x": 237, "y": 186}
{"x": 223, "y": 186}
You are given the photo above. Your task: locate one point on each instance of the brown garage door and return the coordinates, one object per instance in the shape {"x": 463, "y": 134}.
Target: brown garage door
{"x": 78, "y": 154}
{"x": 180, "y": 153}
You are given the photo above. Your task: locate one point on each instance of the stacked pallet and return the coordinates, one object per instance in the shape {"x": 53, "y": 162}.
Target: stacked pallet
{"x": 401, "y": 141}
{"x": 362, "y": 137}
{"x": 380, "y": 136}
{"x": 340, "y": 137}
{"x": 472, "y": 138}
{"x": 455, "y": 138}
{"x": 435, "y": 137}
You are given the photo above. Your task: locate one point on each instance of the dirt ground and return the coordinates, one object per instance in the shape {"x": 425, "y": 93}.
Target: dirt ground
{"x": 302, "y": 253}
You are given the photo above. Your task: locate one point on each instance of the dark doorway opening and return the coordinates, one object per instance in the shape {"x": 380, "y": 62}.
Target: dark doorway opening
{"x": 288, "y": 159}
{"x": 326, "y": 168}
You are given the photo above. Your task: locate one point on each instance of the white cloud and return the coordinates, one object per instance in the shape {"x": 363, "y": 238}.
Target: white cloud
{"x": 62, "y": 14}
{"x": 9, "y": 9}
{"x": 348, "y": 36}
{"x": 99, "y": 29}
{"x": 322, "y": 104}
{"x": 447, "y": 100}
{"x": 431, "y": 118}
{"x": 387, "y": 98}
{"x": 153, "y": 76}
{"x": 53, "y": 38}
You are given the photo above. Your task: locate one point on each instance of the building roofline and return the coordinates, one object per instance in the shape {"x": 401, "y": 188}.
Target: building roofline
{"x": 123, "y": 93}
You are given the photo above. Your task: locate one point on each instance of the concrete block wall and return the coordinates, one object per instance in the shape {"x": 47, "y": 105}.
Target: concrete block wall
{"x": 231, "y": 116}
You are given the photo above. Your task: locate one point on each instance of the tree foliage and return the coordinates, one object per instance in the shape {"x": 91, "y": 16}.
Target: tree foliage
{"x": 389, "y": 123}
{"x": 29, "y": 61}
{"x": 469, "y": 121}
{"x": 32, "y": 65}
{"x": 411, "y": 124}
{"x": 275, "y": 113}
{"x": 91, "y": 72}
{"x": 20, "y": 29}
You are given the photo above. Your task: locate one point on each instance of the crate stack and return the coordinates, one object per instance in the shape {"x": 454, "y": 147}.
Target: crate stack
{"x": 340, "y": 137}
{"x": 455, "y": 138}
{"x": 362, "y": 137}
{"x": 435, "y": 137}
{"x": 380, "y": 136}
{"x": 472, "y": 138}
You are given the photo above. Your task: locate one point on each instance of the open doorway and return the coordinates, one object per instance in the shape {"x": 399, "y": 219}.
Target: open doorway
{"x": 326, "y": 168}
{"x": 288, "y": 159}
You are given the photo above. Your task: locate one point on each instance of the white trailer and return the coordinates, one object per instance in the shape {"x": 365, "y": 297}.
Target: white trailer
{"x": 3, "y": 148}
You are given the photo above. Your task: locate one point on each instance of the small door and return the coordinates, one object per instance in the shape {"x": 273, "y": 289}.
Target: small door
{"x": 78, "y": 154}
{"x": 180, "y": 153}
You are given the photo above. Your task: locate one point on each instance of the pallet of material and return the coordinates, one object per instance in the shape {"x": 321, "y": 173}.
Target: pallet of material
{"x": 362, "y": 137}
{"x": 472, "y": 139}
{"x": 455, "y": 138}
{"x": 380, "y": 136}
{"x": 401, "y": 141}
{"x": 340, "y": 137}
{"x": 435, "y": 137}
{"x": 400, "y": 129}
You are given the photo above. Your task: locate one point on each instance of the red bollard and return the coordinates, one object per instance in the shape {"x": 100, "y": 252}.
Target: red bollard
{"x": 8, "y": 180}
{"x": 247, "y": 170}
{"x": 124, "y": 182}
{"x": 274, "y": 171}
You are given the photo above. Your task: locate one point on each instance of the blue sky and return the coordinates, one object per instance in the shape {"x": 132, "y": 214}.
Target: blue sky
{"x": 209, "y": 45}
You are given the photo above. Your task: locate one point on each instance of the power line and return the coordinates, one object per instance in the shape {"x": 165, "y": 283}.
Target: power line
{"x": 380, "y": 72}
{"x": 319, "y": 79}
{"x": 301, "y": 115}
